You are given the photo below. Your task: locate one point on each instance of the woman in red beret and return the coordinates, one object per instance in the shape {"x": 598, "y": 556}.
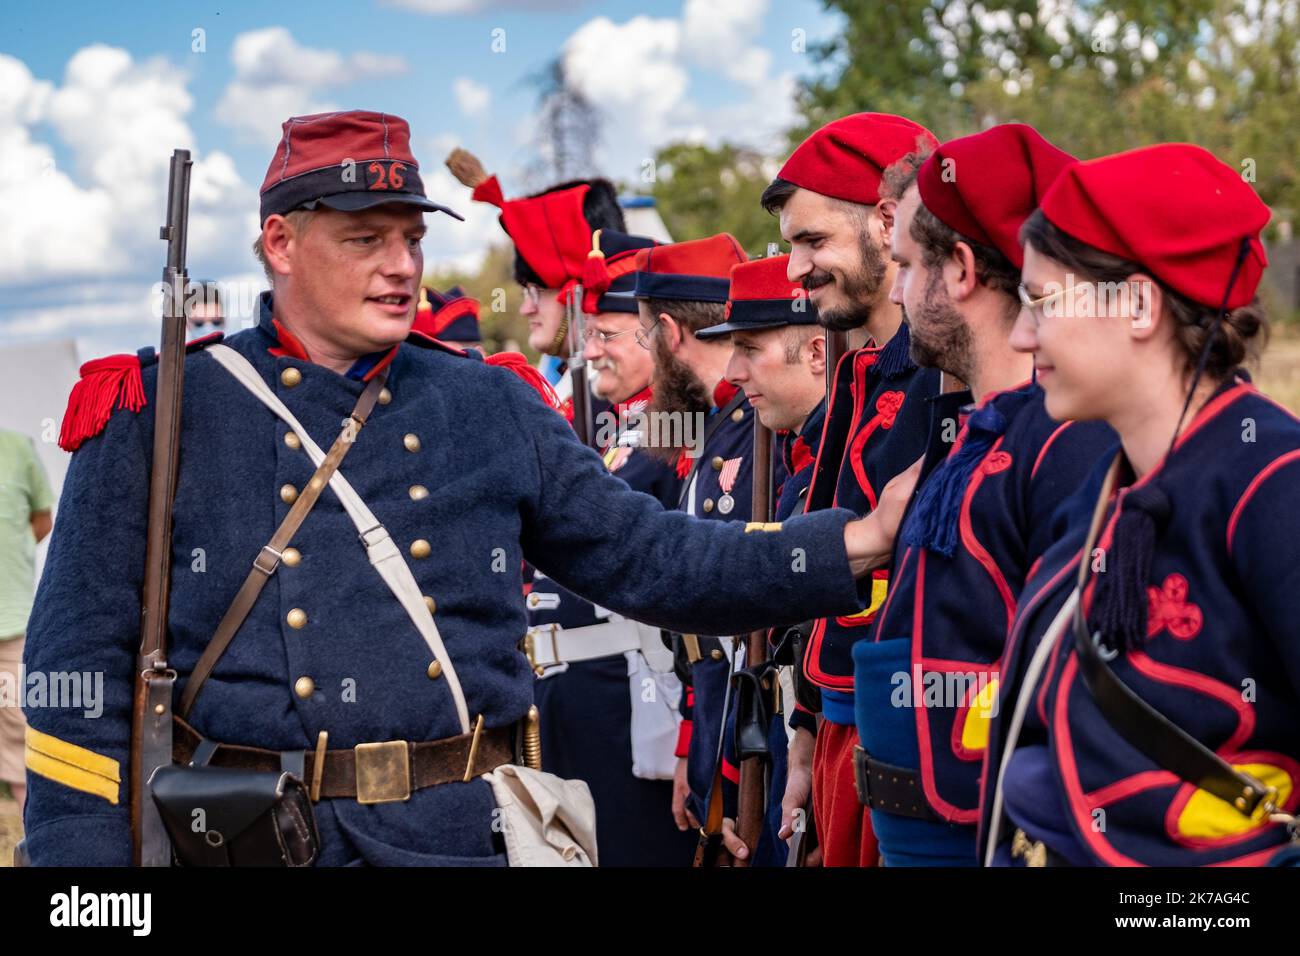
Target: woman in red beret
{"x": 1157, "y": 644}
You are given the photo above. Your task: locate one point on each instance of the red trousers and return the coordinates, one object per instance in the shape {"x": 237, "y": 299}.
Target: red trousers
{"x": 843, "y": 823}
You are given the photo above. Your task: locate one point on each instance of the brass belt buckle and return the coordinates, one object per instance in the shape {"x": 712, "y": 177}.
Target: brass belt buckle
{"x": 383, "y": 771}
{"x": 530, "y": 647}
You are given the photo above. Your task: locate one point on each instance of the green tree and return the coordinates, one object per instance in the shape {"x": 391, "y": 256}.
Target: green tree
{"x": 704, "y": 190}
{"x": 1094, "y": 78}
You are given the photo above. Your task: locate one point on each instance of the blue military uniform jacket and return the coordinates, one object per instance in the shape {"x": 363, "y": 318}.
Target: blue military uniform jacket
{"x": 950, "y": 613}
{"x": 1219, "y": 658}
{"x": 464, "y": 456}
{"x": 726, "y": 458}
{"x": 797, "y": 450}
{"x": 876, "y": 424}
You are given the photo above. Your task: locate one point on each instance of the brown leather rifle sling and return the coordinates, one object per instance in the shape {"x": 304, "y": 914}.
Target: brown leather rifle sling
{"x": 268, "y": 559}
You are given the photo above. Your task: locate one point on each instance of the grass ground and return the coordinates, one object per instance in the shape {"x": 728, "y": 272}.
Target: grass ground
{"x": 1279, "y": 371}
{"x": 10, "y": 826}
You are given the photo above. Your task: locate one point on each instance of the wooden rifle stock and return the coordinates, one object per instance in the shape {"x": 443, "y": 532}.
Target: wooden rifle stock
{"x": 151, "y": 723}
{"x": 752, "y": 805}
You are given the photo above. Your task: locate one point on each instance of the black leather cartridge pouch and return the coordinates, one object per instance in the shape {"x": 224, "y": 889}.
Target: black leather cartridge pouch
{"x": 789, "y": 652}
{"x": 754, "y": 710}
{"x": 229, "y": 816}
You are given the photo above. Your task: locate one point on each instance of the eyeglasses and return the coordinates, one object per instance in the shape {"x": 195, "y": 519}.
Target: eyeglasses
{"x": 643, "y": 334}
{"x": 1037, "y": 306}
{"x": 532, "y": 293}
{"x": 605, "y": 337}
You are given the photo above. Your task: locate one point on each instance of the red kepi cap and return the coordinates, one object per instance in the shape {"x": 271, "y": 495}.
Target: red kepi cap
{"x": 347, "y": 161}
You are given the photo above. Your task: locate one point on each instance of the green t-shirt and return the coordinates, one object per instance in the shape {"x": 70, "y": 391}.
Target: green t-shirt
{"x": 24, "y": 489}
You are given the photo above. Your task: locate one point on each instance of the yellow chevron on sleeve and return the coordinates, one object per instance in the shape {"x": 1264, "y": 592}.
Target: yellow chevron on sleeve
{"x": 762, "y": 526}
{"x": 73, "y": 766}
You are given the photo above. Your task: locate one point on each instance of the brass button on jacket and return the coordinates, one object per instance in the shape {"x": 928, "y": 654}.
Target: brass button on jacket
{"x": 420, "y": 548}
{"x": 290, "y": 377}
{"x": 303, "y": 687}
{"x": 708, "y": 505}
{"x": 297, "y": 618}
{"x": 419, "y": 492}
{"x": 431, "y": 604}
{"x": 291, "y": 557}
{"x": 435, "y": 670}
{"x": 292, "y": 440}
{"x": 385, "y": 396}
{"x": 411, "y": 441}
{"x": 288, "y": 494}
{"x": 718, "y": 463}
{"x": 738, "y": 415}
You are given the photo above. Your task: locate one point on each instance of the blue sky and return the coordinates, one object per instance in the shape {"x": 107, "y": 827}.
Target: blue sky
{"x": 90, "y": 110}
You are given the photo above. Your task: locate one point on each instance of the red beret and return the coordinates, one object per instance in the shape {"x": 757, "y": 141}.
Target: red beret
{"x": 348, "y": 161}
{"x": 985, "y": 186}
{"x": 549, "y": 231}
{"x": 1174, "y": 209}
{"x": 763, "y": 297}
{"x": 847, "y": 158}
{"x": 694, "y": 271}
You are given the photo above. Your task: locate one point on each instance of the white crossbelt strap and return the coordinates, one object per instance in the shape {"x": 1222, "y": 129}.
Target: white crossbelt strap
{"x": 1027, "y": 688}
{"x": 382, "y": 551}
{"x": 550, "y": 644}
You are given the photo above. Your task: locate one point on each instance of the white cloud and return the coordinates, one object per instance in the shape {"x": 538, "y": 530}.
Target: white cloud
{"x": 639, "y": 73}
{"x": 276, "y": 77}
{"x": 472, "y": 98}
{"x": 119, "y": 120}
{"x": 721, "y": 34}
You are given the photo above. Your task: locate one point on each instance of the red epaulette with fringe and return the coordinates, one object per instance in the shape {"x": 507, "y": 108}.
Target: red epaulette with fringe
{"x": 106, "y": 385}
{"x": 518, "y": 364}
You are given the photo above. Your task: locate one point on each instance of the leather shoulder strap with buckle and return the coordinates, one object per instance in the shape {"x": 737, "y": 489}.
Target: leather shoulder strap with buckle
{"x": 1159, "y": 738}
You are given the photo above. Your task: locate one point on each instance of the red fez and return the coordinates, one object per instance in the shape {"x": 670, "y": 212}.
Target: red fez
{"x": 451, "y": 316}
{"x": 846, "y": 159}
{"x": 1172, "y": 208}
{"x": 985, "y": 186}
{"x": 346, "y": 161}
{"x": 694, "y": 271}
{"x": 763, "y": 297}
{"x": 550, "y": 230}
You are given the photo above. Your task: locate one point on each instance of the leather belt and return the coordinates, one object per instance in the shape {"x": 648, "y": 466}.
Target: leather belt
{"x": 370, "y": 773}
{"x": 882, "y": 786}
{"x": 549, "y": 644}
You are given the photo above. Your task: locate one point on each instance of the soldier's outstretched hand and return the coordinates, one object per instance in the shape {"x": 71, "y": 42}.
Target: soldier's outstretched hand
{"x": 869, "y": 541}
{"x": 465, "y": 166}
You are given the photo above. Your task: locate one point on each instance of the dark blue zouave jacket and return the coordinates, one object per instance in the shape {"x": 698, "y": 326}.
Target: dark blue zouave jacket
{"x": 928, "y": 676}
{"x": 875, "y": 428}
{"x": 1220, "y": 656}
